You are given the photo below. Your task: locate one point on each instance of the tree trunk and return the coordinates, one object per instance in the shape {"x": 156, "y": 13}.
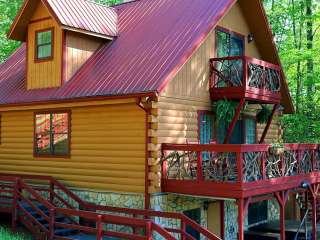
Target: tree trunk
{"x": 310, "y": 63}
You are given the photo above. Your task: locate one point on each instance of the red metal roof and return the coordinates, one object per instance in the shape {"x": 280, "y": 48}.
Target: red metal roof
{"x": 155, "y": 38}
{"x": 86, "y": 15}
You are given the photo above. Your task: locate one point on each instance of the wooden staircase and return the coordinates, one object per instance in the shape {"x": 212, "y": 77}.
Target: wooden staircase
{"x": 50, "y": 211}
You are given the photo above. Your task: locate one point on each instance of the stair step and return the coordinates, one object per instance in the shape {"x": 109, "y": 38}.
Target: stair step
{"x": 65, "y": 232}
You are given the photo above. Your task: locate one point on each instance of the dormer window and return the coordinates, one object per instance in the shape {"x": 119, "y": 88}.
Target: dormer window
{"x": 44, "y": 45}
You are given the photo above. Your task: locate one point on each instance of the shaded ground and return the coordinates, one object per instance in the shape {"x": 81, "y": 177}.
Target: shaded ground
{"x": 7, "y": 234}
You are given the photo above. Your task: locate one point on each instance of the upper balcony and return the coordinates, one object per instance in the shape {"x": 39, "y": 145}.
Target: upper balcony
{"x": 245, "y": 78}
{"x": 238, "y": 171}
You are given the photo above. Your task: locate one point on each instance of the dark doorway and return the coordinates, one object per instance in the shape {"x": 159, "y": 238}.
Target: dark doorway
{"x": 195, "y": 215}
{"x": 258, "y": 213}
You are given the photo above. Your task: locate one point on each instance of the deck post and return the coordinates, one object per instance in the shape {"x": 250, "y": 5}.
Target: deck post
{"x": 282, "y": 199}
{"x": 15, "y": 204}
{"x": 52, "y": 219}
{"x": 99, "y": 227}
{"x": 240, "y": 203}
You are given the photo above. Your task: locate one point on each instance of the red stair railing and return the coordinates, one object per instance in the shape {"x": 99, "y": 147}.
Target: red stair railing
{"x": 138, "y": 220}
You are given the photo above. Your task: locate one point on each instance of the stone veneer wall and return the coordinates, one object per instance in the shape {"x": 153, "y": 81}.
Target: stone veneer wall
{"x": 231, "y": 217}
{"x": 177, "y": 203}
{"x": 171, "y": 203}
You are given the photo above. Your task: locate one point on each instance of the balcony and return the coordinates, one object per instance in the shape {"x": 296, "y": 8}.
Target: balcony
{"x": 245, "y": 78}
{"x": 238, "y": 171}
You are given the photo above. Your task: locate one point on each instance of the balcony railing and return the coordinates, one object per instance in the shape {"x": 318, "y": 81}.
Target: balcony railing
{"x": 245, "y": 77}
{"x": 220, "y": 169}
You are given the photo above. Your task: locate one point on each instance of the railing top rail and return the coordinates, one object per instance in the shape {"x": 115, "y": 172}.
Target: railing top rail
{"x": 237, "y": 148}
{"x": 36, "y": 195}
{"x": 249, "y": 60}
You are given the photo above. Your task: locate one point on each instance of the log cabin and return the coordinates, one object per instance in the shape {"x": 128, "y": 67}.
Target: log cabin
{"x": 126, "y": 106}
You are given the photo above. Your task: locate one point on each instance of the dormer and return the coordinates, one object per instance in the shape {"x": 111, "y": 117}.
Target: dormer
{"x": 60, "y": 37}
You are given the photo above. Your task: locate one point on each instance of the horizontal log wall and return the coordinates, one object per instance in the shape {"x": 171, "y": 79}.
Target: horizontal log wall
{"x": 175, "y": 114}
{"x": 107, "y": 148}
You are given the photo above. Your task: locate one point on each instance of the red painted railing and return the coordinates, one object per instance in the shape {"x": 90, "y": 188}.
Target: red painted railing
{"x": 58, "y": 199}
{"x": 245, "y": 77}
{"x": 237, "y": 170}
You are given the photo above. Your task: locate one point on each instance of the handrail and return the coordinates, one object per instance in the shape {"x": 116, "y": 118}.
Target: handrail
{"x": 107, "y": 218}
{"x": 233, "y": 163}
{"x": 248, "y": 59}
{"x": 240, "y": 148}
{"x": 304, "y": 221}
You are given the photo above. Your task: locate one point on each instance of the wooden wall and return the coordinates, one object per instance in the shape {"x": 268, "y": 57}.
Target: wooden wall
{"x": 107, "y": 148}
{"x": 45, "y": 74}
{"x": 79, "y": 48}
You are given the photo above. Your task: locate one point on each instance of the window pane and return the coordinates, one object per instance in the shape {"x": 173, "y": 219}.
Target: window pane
{"x": 43, "y": 133}
{"x": 60, "y": 144}
{"x": 52, "y": 133}
{"x": 44, "y": 37}
{"x": 222, "y": 44}
{"x": 44, "y": 51}
{"x": 250, "y": 125}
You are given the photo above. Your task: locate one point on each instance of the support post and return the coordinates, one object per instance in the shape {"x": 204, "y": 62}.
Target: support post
{"x": 148, "y": 230}
{"x": 99, "y": 228}
{"x": 234, "y": 121}
{"x": 183, "y": 230}
{"x": 282, "y": 199}
{"x": 266, "y": 129}
{"x": 240, "y": 219}
{"x": 51, "y": 194}
{"x": 15, "y": 204}
{"x": 52, "y": 217}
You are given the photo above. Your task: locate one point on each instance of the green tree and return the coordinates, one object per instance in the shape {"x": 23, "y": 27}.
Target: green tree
{"x": 296, "y": 25}
{"x": 8, "y": 11}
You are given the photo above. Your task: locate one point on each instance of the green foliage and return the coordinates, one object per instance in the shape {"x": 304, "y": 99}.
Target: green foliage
{"x": 225, "y": 110}
{"x": 8, "y": 11}
{"x": 296, "y": 27}
{"x": 264, "y": 114}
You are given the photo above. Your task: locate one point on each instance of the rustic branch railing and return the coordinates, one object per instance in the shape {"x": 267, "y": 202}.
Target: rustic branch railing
{"x": 237, "y": 163}
{"x": 245, "y": 72}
